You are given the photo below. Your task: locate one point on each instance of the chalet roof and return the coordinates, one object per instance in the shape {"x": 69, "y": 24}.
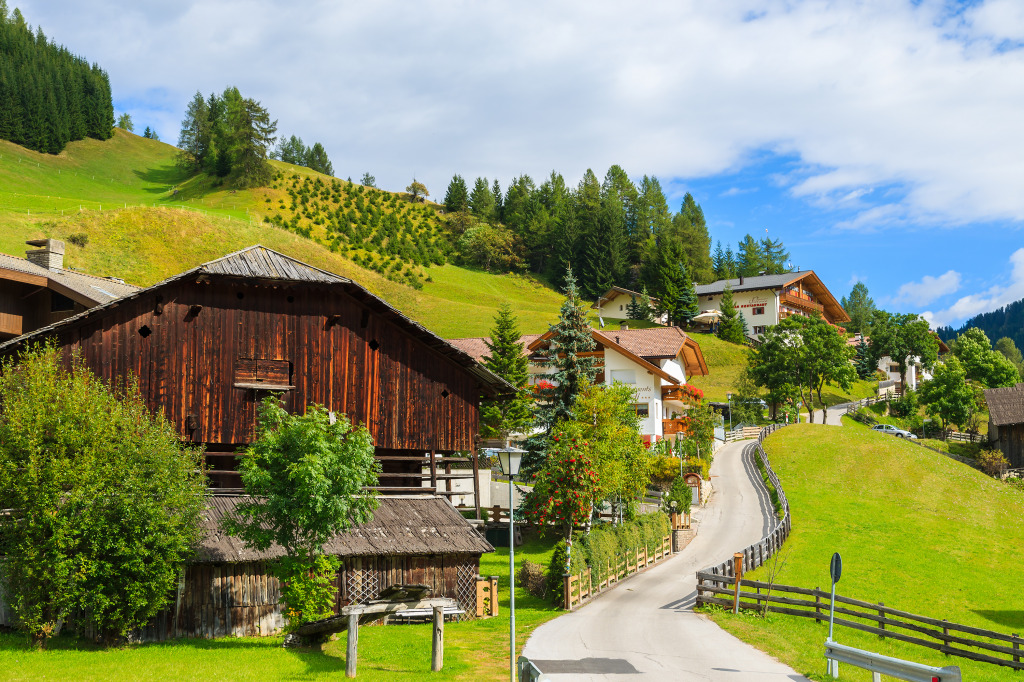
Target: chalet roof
{"x": 620, "y": 291}
{"x": 1006, "y": 405}
{"x": 645, "y": 346}
{"x": 266, "y": 265}
{"x": 86, "y": 289}
{"x": 400, "y": 526}
{"x": 834, "y": 310}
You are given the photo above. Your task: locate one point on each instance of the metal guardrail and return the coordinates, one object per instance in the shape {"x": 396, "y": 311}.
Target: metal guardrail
{"x": 886, "y": 665}
{"x": 528, "y": 672}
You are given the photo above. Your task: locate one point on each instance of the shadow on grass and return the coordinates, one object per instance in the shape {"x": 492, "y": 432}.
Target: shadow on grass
{"x": 1010, "y": 619}
{"x": 162, "y": 176}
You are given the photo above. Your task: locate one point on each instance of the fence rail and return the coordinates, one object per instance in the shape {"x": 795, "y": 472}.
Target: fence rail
{"x": 881, "y": 620}
{"x": 580, "y": 587}
{"x": 758, "y": 553}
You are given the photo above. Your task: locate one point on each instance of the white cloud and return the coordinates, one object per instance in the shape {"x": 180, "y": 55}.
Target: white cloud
{"x": 928, "y": 289}
{"x": 866, "y": 94}
{"x": 991, "y": 299}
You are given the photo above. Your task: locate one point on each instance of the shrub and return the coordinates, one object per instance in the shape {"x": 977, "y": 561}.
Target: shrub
{"x": 992, "y": 462}
{"x": 904, "y": 406}
{"x": 531, "y": 577}
{"x": 79, "y": 239}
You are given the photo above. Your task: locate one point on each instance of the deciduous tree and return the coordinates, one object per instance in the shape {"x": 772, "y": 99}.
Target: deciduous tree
{"x": 903, "y": 337}
{"x": 947, "y": 396}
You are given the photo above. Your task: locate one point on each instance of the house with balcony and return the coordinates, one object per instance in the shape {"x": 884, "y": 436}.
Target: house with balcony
{"x": 657, "y": 362}
{"x": 613, "y": 305}
{"x": 766, "y": 300}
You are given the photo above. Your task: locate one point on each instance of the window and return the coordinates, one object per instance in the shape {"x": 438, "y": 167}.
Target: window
{"x": 642, "y": 410}
{"x": 759, "y": 329}
{"x": 620, "y": 307}
{"x": 758, "y": 311}
{"x": 624, "y": 376}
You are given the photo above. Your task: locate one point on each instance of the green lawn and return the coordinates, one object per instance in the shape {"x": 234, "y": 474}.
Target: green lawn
{"x": 474, "y": 650}
{"x": 917, "y": 531}
{"x": 725, "y": 362}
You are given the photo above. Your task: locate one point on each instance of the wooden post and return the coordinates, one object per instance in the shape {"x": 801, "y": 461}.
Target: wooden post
{"x": 494, "y": 595}
{"x": 881, "y": 614}
{"x": 567, "y": 597}
{"x": 476, "y": 482}
{"x": 817, "y": 604}
{"x": 433, "y": 470}
{"x": 353, "y": 645}
{"x": 437, "y": 650}
{"x": 945, "y": 638}
{"x": 737, "y": 562}
{"x": 1016, "y": 647}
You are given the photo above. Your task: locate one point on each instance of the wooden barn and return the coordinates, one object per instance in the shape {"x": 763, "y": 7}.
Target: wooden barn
{"x": 1006, "y": 422}
{"x": 208, "y": 344}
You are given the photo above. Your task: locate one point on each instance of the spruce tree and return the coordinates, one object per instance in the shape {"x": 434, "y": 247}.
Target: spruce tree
{"x": 687, "y": 308}
{"x": 750, "y": 262}
{"x": 573, "y": 372}
{"x": 457, "y": 197}
{"x": 316, "y": 159}
{"x": 507, "y": 359}
{"x": 865, "y": 367}
{"x": 637, "y": 310}
{"x": 731, "y": 326}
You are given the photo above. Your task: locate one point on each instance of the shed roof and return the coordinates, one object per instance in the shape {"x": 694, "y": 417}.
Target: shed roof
{"x": 88, "y": 290}
{"x": 266, "y": 265}
{"x": 1006, "y": 405}
{"x": 400, "y": 526}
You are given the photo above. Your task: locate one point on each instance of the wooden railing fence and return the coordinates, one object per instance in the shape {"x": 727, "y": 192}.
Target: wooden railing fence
{"x": 580, "y": 586}
{"x": 878, "y": 619}
{"x": 758, "y": 553}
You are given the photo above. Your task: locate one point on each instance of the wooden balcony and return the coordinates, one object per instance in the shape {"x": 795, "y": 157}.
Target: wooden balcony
{"x": 801, "y": 302}
{"x": 672, "y": 393}
{"x": 670, "y": 427}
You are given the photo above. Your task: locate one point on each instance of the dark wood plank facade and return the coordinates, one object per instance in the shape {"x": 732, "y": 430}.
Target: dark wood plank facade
{"x": 189, "y": 344}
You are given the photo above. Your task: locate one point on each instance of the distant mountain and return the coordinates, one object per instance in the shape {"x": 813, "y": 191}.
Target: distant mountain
{"x": 1006, "y": 321}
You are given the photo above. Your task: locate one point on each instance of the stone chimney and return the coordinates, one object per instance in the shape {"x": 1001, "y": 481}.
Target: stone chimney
{"x": 50, "y": 255}
{"x": 741, "y": 279}
{"x": 624, "y": 326}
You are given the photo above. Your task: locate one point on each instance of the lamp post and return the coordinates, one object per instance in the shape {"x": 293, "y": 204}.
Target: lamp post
{"x": 509, "y": 459}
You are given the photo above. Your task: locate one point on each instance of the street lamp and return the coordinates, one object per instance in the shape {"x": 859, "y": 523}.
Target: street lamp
{"x": 509, "y": 459}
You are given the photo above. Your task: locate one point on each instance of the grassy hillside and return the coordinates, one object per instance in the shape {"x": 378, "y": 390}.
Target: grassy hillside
{"x": 120, "y": 195}
{"x": 916, "y": 531}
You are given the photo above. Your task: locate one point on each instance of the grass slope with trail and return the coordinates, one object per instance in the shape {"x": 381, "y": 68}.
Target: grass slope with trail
{"x": 916, "y": 530}
{"x": 144, "y": 220}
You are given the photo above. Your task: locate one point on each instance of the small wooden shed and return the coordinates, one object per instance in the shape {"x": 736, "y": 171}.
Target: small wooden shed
{"x": 228, "y": 589}
{"x": 1006, "y": 421}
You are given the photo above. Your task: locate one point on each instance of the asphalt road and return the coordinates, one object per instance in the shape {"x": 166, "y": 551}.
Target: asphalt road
{"x": 645, "y": 628}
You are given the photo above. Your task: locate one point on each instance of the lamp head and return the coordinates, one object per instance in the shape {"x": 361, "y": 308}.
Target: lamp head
{"x": 509, "y": 459}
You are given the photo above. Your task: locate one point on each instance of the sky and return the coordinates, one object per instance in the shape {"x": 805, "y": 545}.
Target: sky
{"x": 881, "y": 141}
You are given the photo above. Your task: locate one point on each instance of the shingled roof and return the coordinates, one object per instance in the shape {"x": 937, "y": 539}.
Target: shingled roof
{"x": 266, "y": 265}
{"x": 400, "y": 526}
{"x": 88, "y": 290}
{"x": 1006, "y": 405}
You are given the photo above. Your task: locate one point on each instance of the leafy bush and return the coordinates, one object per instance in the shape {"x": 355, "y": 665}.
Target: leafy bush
{"x": 531, "y": 577}
{"x": 681, "y": 494}
{"x": 905, "y": 405}
{"x": 992, "y": 462}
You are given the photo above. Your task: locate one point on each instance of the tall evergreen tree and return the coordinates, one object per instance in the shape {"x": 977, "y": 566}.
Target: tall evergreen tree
{"x": 481, "y": 201}
{"x": 498, "y": 204}
{"x": 196, "y": 138}
{"x": 750, "y": 262}
{"x": 252, "y": 134}
{"x": 507, "y": 359}
{"x": 668, "y": 279}
{"x": 860, "y": 307}
{"x": 692, "y": 231}
{"x": 732, "y": 325}
{"x": 718, "y": 261}
{"x": 774, "y": 255}
{"x": 316, "y": 159}
{"x": 730, "y": 269}
{"x": 688, "y": 307}
{"x": 457, "y": 197}
{"x": 863, "y": 363}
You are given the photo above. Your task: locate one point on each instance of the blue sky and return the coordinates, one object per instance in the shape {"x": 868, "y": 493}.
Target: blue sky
{"x": 880, "y": 140}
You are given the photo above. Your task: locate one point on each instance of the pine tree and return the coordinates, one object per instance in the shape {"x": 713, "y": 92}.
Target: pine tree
{"x": 692, "y": 231}
{"x": 774, "y": 255}
{"x": 718, "y": 261}
{"x": 636, "y": 310}
{"x": 457, "y": 197}
{"x": 730, "y": 268}
{"x": 316, "y": 159}
{"x": 573, "y": 371}
{"x": 498, "y": 202}
{"x": 507, "y": 359}
{"x": 196, "y": 139}
{"x": 863, "y": 364}
{"x": 669, "y": 279}
{"x": 750, "y": 262}
{"x": 687, "y": 308}
{"x": 251, "y": 135}
{"x": 481, "y": 200}
{"x": 124, "y": 122}
{"x": 732, "y": 325}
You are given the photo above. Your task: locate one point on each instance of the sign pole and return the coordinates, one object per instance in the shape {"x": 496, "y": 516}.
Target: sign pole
{"x": 836, "y": 571}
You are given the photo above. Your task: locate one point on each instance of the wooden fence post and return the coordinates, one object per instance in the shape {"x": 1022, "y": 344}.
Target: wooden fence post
{"x": 737, "y": 559}
{"x": 353, "y": 645}
{"x": 1016, "y": 647}
{"x": 437, "y": 648}
{"x": 817, "y": 604}
{"x": 494, "y": 595}
{"x": 945, "y": 638}
{"x": 881, "y": 614}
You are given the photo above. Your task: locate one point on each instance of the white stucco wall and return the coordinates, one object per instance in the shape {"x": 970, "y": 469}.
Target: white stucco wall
{"x": 745, "y": 302}
{"x": 647, "y": 388}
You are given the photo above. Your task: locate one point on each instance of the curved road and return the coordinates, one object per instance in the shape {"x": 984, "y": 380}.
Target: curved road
{"x": 645, "y": 628}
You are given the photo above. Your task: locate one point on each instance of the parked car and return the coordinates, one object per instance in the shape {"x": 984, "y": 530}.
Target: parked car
{"x": 892, "y": 431}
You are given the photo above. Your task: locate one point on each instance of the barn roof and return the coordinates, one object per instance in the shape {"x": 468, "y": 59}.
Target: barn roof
{"x": 86, "y": 289}
{"x": 1006, "y": 405}
{"x": 258, "y": 263}
{"x": 400, "y": 526}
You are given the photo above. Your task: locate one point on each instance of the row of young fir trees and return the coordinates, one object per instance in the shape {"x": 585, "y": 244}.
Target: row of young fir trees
{"x": 586, "y": 450}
